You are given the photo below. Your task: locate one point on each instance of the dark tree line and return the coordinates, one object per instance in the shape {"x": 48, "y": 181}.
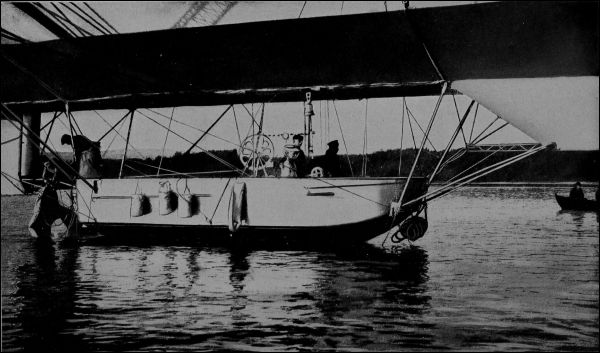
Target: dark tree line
{"x": 547, "y": 165}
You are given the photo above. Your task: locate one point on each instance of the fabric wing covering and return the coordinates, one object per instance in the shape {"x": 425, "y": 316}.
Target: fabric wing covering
{"x": 534, "y": 64}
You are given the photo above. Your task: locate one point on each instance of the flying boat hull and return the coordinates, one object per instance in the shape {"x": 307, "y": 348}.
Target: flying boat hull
{"x": 273, "y": 208}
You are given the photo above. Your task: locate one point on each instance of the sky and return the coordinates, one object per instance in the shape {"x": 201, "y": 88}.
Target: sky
{"x": 383, "y": 116}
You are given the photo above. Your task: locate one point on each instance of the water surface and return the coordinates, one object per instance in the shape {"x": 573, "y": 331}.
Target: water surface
{"x": 499, "y": 269}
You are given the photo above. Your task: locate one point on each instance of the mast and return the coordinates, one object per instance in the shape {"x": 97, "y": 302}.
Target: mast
{"x": 308, "y": 113}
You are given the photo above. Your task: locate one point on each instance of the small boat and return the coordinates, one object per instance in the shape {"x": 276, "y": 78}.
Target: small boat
{"x": 568, "y": 203}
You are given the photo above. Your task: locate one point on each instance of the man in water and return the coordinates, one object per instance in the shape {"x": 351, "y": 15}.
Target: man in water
{"x": 331, "y": 161}
{"x": 576, "y": 192}
{"x": 87, "y": 160}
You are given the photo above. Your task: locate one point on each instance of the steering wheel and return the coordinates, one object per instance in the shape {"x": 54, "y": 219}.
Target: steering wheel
{"x": 255, "y": 151}
{"x": 317, "y": 172}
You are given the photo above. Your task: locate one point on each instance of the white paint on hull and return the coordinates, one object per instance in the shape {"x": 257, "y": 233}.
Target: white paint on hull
{"x": 554, "y": 109}
{"x": 272, "y": 202}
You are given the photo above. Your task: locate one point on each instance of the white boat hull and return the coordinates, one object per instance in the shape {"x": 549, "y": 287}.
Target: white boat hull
{"x": 282, "y": 204}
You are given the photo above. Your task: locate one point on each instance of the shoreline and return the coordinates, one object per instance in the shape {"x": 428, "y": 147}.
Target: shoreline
{"x": 562, "y": 184}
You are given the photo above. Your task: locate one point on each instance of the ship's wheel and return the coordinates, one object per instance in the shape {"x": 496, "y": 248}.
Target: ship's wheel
{"x": 256, "y": 151}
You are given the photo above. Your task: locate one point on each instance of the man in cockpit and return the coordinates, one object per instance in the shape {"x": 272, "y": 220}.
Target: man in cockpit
{"x": 294, "y": 162}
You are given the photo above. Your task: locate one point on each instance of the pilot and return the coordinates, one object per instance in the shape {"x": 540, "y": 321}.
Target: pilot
{"x": 294, "y": 164}
{"x": 331, "y": 162}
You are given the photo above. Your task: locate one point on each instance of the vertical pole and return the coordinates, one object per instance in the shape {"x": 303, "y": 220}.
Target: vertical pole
{"x": 20, "y": 150}
{"x": 435, "y": 110}
{"x": 30, "y": 160}
{"x": 126, "y": 144}
{"x": 401, "y": 138}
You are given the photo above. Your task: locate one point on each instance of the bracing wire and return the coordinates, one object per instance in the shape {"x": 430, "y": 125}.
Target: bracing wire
{"x": 343, "y": 138}
{"x": 303, "y": 5}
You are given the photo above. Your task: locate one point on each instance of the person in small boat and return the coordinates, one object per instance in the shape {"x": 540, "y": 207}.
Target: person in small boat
{"x": 87, "y": 160}
{"x": 331, "y": 162}
{"x": 577, "y": 192}
{"x": 294, "y": 161}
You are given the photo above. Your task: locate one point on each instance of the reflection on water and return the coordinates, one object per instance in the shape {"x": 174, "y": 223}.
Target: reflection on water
{"x": 499, "y": 269}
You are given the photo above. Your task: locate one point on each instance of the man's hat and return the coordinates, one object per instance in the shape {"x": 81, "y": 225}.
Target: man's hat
{"x": 333, "y": 143}
{"x": 65, "y": 139}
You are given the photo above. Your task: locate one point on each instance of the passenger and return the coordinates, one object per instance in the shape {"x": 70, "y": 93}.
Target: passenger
{"x": 577, "y": 192}
{"x": 87, "y": 160}
{"x": 294, "y": 163}
{"x": 331, "y": 161}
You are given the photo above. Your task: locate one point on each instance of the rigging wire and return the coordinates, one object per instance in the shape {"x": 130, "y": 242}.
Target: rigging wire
{"x": 102, "y": 25}
{"x": 12, "y": 36}
{"x": 10, "y": 140}
{"x": 237, "y": 128}
{"x": 195, "y": 128}
{"x": 420, "y": 128}
{"x": 202, "y": 149}
{"x": 412, "y": 133}
{"x": 93, "y": 22}
{"x": 162, "y": 154}
{"x": 401, "y": 139}
{"x": 123, "y": 138}
{"x": 300, "y": 14}
{"x": 101, "y": 18}
{"x": 458, "y": 117}
{"x": 65, "y": 19}
{"x": 343, "y": 139}
{"x": 120, "y": 124}
{"x": 6, "y": 176}
{"x": 473, "y": 126}
{"x": 60, "y": 20}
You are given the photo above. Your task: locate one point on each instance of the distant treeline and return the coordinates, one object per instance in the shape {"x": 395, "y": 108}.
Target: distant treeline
{"x": 547, "y": 165}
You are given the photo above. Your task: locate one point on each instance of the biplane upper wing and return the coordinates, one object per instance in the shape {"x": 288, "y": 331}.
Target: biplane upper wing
{"x": 486, "y": 49}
